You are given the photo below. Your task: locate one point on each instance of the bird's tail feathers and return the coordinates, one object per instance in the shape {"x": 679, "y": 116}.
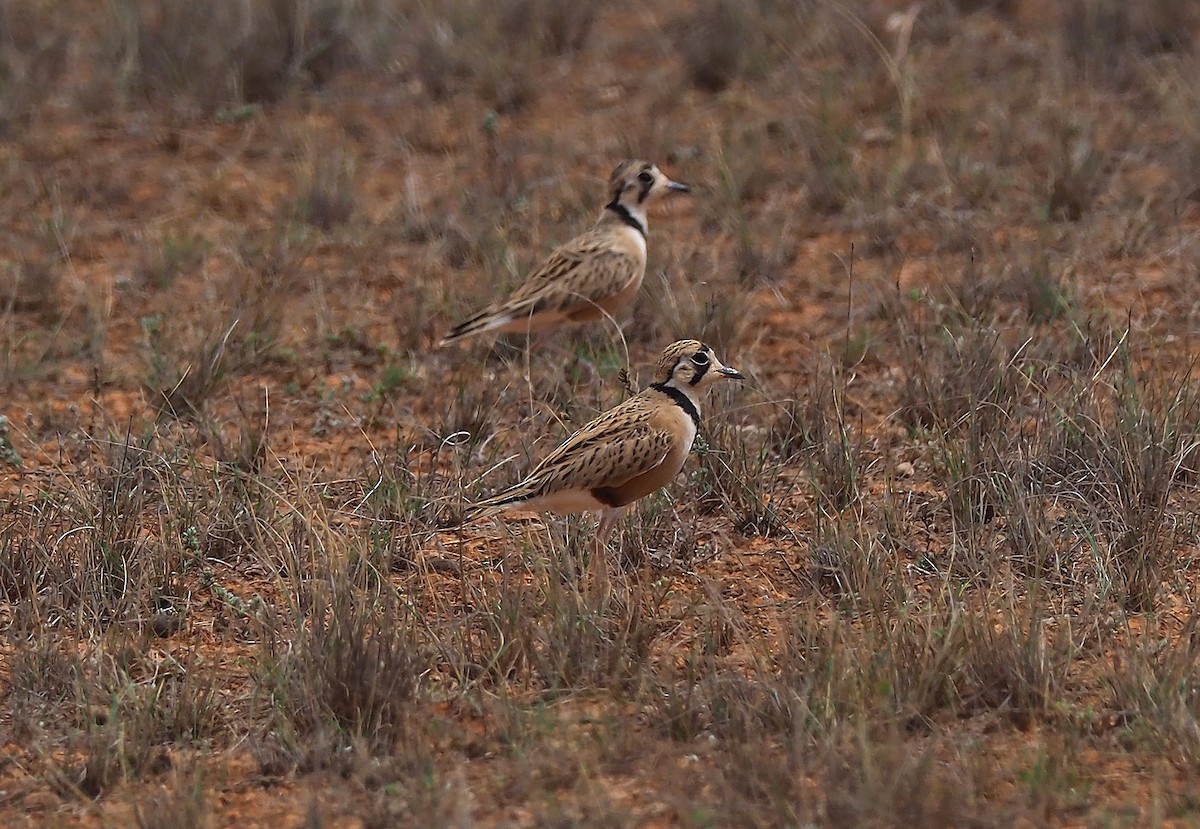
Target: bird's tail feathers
{"x": 495, "y": 505}
{"x": 485, "y": 320}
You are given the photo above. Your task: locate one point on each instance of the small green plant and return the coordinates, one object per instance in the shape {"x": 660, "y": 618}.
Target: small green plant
{"x": 1055, "y": 782}
{"x": 8, "y": 453}
{"x": 393, "y": 377}
{"x": 179, "y": 254}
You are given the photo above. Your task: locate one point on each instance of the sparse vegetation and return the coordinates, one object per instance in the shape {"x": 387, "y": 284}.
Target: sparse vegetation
{"x": 934, "y": 564}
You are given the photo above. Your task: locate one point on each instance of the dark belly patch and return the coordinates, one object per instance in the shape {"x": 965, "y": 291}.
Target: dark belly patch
{"x": 610, "y": 496}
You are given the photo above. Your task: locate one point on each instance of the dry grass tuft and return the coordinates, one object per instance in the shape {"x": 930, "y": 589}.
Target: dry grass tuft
{"x": 35, "y": 43}
{"x": 496, "y": 50}
{"x": 183, "y": 805}
{"x": 227, "y": 52}
{"x": 325, "y": 196}
{"x": 31, "y": 287}
{"x": 714, "y": 44}
{"x": 1112, "y": 41}
{"x": 350, "y": 672}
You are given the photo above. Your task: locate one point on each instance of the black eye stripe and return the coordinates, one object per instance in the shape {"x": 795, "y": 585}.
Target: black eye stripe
{"x": 701, "y": 362}
{"x": 647, "y": 182}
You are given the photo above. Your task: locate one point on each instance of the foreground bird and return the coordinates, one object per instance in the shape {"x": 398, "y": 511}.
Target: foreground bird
{"x": 591, "y": 276}
{"x": 626, "y": 453}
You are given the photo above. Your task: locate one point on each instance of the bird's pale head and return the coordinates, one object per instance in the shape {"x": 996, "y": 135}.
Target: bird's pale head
{"x": 690, "y": 365}
{"x": 634, "y": 183}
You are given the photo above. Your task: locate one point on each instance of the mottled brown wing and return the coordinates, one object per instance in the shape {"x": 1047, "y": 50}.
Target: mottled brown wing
{"x": 627, "y": 422}
{"x": 601, "y": 459}
{"x": 578, "y": 274}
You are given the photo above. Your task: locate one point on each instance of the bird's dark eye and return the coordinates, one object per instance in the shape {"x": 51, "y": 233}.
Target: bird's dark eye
{"x": 700, "y": 358}
{"x": 644, "y": 177}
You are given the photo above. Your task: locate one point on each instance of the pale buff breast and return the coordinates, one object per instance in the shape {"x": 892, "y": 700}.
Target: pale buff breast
{"x": 670, "y": 417}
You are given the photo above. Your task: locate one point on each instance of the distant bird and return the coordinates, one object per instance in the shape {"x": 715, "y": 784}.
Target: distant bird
{"x": 595, "y": 274}
{"x": 626, "y": 453}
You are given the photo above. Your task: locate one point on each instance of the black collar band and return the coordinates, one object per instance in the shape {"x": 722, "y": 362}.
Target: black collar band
{"x": 625, "y": 216}
{"x": 681, "y": 400}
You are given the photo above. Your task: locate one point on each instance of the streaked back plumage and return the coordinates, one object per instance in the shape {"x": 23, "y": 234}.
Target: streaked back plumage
{"x": 590, "y": 277}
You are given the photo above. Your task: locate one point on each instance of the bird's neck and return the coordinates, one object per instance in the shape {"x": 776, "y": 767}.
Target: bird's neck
{"x": 630, "y": 215}
{"x": 684, "y": 398}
